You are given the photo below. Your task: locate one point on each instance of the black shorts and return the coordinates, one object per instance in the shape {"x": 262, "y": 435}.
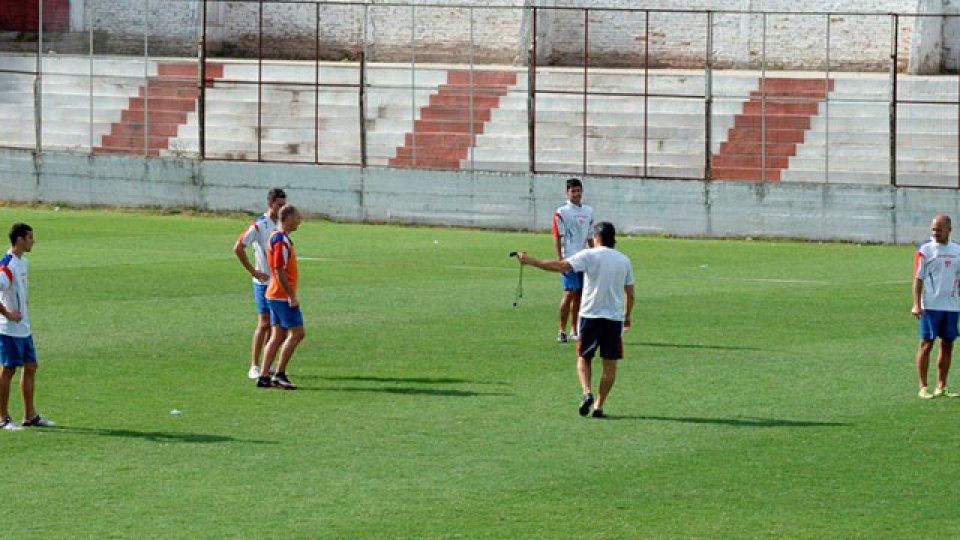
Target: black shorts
{"x": 603, "y": 334}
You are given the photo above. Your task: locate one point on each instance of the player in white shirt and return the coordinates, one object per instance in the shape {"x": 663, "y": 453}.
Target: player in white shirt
{"x": 936, "y": 302}
{"x": 604, "y": 312}
{"x": 16, "y": 341}
{"x": 572, "y": 226}
{"x": 257, "y": 234}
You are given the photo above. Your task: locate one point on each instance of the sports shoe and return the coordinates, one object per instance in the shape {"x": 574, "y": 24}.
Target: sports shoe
{"x": 925, "y": 394}
{"x": 39, "y": 421}
{"x": 943, "y": 392}
{"x": 281, "y": 380}
{"x": 598, "y": 413}
{"x": 264, "y": 382}
{"x": 561, "y": 337}
{"x": 9, "y": 425}
{"x": 253, "y": 373}
{"x": 585, "y": 404}
{"x": 574, "y": 337}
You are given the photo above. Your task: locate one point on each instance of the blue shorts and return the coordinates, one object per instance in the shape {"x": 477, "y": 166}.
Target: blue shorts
{"x": 572, "y": 281}
{"x": 942, "y": 324}
{"x": 605, "y": 335}
{"x": 17, "y": 351}
{"x": 260, "y": 298}
{"x": 286, "y": 316}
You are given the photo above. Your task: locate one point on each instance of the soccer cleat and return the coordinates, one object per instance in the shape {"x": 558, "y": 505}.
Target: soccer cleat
{"x": 924, "y": 393}
{"x": 9, "y": 425}
{"x": 598, "y": 413}
{"x": 264, "y": 382}
{"x": 943, "y": 392}
{"x": 39, "y": 421}
{"x": 574, "y": 337}
{"x": 585, "y": 404}
{"x": 561, "y": 337}
{"x": 281, "y": 380}
{"x": 253, "y": 373}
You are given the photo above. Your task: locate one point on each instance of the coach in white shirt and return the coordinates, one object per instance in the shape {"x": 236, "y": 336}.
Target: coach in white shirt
{"x": 605, "y": 309}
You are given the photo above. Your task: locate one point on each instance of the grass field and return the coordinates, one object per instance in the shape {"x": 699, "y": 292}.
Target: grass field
{"x": 768, "y": 392}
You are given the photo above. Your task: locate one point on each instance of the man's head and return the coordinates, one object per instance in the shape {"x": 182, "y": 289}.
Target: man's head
{"x": 604, "y": 234}
{"x": 276, "y": 198}
{"x": 574, "y": 190}
{"x": 290, "y": 218}
{"x": 21, "y": 237}
{"x": 940, "y": 228}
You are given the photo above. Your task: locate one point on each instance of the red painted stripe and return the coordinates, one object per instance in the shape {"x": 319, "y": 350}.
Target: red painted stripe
{"x": 6, "y": 271}
{"x": 167, "y": 100}
{"x": 789, "y": 106}
{"x": 441, "y": 136}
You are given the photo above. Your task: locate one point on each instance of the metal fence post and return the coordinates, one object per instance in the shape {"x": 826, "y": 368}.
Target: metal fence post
{"x": 586, "y": 90}
{"x": 826, "y": 105}
{"x": 895, "y": 20}
{"x": 763, "y": 100}
{"x": 316, "y": 92}
{"x": 202, "y": 74}
{"x": 646, "y": 92}
{"x": 90, "y": 81}
{"x": 363, "y": 89}
{"x": 38, "y": 85}
{"x": 146, "y": 78}
{"x": 473, "y": 137}
{"x": 707, "y": 104}
{"x": 532, "y": 98}
{"x": 260, "y": 82}
{"x": 413, "y": 77}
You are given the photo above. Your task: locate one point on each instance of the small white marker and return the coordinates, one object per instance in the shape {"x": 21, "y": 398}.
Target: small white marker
{"x": 175, "y": 412}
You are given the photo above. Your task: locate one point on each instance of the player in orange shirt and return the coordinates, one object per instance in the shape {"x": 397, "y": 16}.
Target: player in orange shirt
{"x": 282, "y": 298}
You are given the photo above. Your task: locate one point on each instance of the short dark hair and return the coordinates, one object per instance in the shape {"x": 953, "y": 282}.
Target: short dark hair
{"x": 276, "y": 193}
{"x": 19, "y": 230}
{"x": 573, "y": 182}
{"x": 287, "y": 210}
{"x": 606, "y": 232}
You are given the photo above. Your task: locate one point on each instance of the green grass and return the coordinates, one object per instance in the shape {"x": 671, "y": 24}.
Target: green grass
{"x": 768, "y": 392}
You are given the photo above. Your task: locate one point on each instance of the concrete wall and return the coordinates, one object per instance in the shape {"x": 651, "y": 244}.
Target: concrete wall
{"x": 682, "y": 208}
{"x": 442, "y": 33}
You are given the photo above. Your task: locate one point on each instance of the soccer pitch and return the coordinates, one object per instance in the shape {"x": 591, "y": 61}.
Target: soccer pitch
{"x": 768, "y": 390}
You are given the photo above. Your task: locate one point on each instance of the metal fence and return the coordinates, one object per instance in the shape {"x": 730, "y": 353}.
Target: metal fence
{"x": 635, "y": 93}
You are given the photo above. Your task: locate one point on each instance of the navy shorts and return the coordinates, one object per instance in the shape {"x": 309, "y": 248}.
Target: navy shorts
{"x": 572, "y": 281}
{"x": 17, "y": 351}
{"x": 942, "y": 324}
{"x": 605, "y": 335}
{"x": 260, "y": 298}
{"x": 283, "y": 314}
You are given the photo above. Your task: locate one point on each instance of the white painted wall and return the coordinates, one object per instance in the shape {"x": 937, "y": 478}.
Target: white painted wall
{"x": 682, "y": 208}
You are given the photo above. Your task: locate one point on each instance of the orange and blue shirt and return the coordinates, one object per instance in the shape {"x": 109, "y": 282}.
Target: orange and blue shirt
{"x": 281, "y": 256}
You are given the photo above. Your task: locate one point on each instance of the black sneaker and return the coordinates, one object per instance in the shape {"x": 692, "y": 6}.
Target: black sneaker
{"x": 264, "y": 382}
{"x": 281, "y": 380}
{"x": 598, "y": 413}
{"x": 585, "y": 404}
{"x": 561, "y": 337}
{"x": 38, "y": 421}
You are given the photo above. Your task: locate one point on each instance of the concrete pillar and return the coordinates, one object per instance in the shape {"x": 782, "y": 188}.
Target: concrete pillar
{"x": 926, "y": 47}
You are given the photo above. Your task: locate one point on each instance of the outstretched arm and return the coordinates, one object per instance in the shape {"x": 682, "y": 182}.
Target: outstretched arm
{"x": 543, "y": 264}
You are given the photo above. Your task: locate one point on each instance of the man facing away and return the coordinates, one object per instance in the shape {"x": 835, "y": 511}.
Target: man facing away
{"x": 16, "y": 341}
{"x": 604, "y": 312}
{"x": 257, "y": 234}
{"x": 282, "y": 299}
{"x": 572, "y": 224}
{"x": 936, "y": 302}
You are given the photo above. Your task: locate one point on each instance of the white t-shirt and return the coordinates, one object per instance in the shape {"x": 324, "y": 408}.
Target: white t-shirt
{"x": 606, "y": 273}
{"x": 572, "y": 224}
{"x": 258, "y": 234}
{"x": 938, "y": 265}
{"x": 13, "y": 294}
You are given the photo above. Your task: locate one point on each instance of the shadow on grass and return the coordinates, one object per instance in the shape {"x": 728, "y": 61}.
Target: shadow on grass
{"x": 156, "y": 436}
{"x": 691, "y": 346}
{"x": 406, "y": 390}
{"x": 751, "y": 422}
{"x": 409, "y": 380}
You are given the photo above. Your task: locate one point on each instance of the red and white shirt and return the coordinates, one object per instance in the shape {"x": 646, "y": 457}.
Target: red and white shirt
{"x": 938, "y": 266}
{"x": 258, "y": 234}
{"x": 13, "y": 294}
{"x": 572, "y": 224}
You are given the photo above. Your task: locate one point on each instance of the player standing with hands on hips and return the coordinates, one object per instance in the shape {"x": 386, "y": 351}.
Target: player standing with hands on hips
{"x": 936, "y": 302}
{"x": 604, "y": 311}
{"x": 572, "y": 225}
{"x": 16, "y": 341}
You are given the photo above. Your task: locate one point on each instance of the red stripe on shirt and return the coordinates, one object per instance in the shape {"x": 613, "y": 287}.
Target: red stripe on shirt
{"x": 556, "y": 231}
{"x": 916, "y": 263}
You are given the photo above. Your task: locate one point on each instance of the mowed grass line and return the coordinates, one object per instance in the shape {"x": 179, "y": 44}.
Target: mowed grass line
{"x": 768, "y": 392}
